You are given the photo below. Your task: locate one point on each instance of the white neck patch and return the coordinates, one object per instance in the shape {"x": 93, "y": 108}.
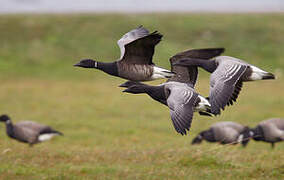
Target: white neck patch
{"x": 240, "y": 139}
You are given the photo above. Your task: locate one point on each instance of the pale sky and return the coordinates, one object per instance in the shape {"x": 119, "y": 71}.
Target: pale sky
{"x": 100, "y": 6}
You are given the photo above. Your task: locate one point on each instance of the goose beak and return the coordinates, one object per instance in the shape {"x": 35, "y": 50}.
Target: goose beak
{"x": 78, "y": 64}
{"x": 123, "y": 85}
{"x": 126, "y": 91}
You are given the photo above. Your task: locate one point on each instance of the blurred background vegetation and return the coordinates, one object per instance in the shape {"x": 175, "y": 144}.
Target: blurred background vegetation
{"x": 111, "y": 135}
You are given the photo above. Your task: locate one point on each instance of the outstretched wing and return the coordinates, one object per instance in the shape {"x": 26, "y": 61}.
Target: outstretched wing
{"x": 141, "y": 50}
{"x": 181, "y": 102}
{"x": 225, "y": 85}
{"x": 189, "y": 74}
{"x": 207, "y": 53}
{"x": 132, "y": 35}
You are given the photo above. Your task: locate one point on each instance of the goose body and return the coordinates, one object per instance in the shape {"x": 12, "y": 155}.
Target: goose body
{"x": 178, "y": 92}
{"x": 28, "y": 131}
{"x": 181, "y": 99}
{"x": 225, "y": 133}
{"x": 271, "y": 131}
{"x": 226, "y": 80}
{"x": 135, "y": 63}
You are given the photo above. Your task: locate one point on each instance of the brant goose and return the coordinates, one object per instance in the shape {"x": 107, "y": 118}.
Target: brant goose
{"x": 271, "y": 131}
{"x": 178, "y": 92}
{"x": 225, "y": 133}
{"x": 28, "y": 131}
{"x": 228, "y": 75}
{"x": 135, "y": 63}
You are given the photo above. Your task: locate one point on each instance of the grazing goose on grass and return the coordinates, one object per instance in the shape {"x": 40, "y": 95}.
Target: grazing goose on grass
{"x": 28, "y": 131}
{"x": 135, "y": 63}
{"x": 271, "y": 131}
{"x": 225, "y": 133}
{"x": 228, "y": 75}
{"x": 178, "y": 92}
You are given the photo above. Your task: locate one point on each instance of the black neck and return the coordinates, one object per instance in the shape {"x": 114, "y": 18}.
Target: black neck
{"x": 109, "y": 68}
{"x": 258, "y": 134}
{"x": 208, "y": 135}
{"x": 246, "y": 135}
{"x": 9, "y": 128}
{"x": 208, "y": 65}
{"x": 157, "y": 93}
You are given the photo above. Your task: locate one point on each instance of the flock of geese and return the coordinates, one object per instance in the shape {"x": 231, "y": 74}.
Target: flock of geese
{"x": 177, "y": 93}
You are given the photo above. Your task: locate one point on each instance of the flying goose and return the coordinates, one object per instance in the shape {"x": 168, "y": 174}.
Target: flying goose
{"x": 226, "y": 81}
{"x": 135, "y": 63}
{"x": 28, "y": 131}
{"x": 225, "y": 133}
{"x": 178, "y": 92}
{"x": 271, "y": 131}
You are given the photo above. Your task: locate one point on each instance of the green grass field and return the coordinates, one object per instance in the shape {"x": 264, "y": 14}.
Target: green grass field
{"x": 111, "y": 135}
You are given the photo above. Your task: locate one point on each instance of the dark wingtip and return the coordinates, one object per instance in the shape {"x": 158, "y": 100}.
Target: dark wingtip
{"x": 221, "y": 50}
{"x": 156, "y": 33}
{"x": 216, "y": 112}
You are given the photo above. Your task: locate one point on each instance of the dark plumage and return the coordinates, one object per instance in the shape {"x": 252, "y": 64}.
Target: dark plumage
{"x": 228, "y": 75}
{"x": 271, "y": 131}
{"x": 178, "y": 92}
{"x": 224, "y": 133}
{"x": 137, "y": 49}
{"x": 28, "y": 131}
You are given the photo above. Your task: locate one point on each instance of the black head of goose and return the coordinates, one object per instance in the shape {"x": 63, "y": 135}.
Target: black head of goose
{"x": 28, "y": 131}
{"x": 271, "y": 131}
{"x": 135, "y": 63}
{"x": 228, "y": 75}
{"x": 225, "y": 133}
{"x": 178, "y": 92}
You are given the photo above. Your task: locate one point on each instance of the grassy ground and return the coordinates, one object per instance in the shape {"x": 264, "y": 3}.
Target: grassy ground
{"x": 111, "y": 135}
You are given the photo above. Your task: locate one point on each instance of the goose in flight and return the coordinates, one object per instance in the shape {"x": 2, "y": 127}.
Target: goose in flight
{"x": 226, "y": 80}
{"x": 28, "y": 131}
{"x": 135, "y": 63}
{"x": 178, "y": 92}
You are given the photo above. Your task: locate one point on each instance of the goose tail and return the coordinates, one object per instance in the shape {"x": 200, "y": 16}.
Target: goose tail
{"x": 268, "y": 76}
{"x": 259, "y": 74}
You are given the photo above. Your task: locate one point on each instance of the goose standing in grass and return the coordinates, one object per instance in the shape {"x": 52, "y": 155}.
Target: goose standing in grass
{"x": 28, "y": 131}
{"x": 225, "y": 133}
{"x": 271, "y": 131}
{"x": 135, "y": 63}
{"x": 226, "y": 81}
{"x": 178, "y": 92}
